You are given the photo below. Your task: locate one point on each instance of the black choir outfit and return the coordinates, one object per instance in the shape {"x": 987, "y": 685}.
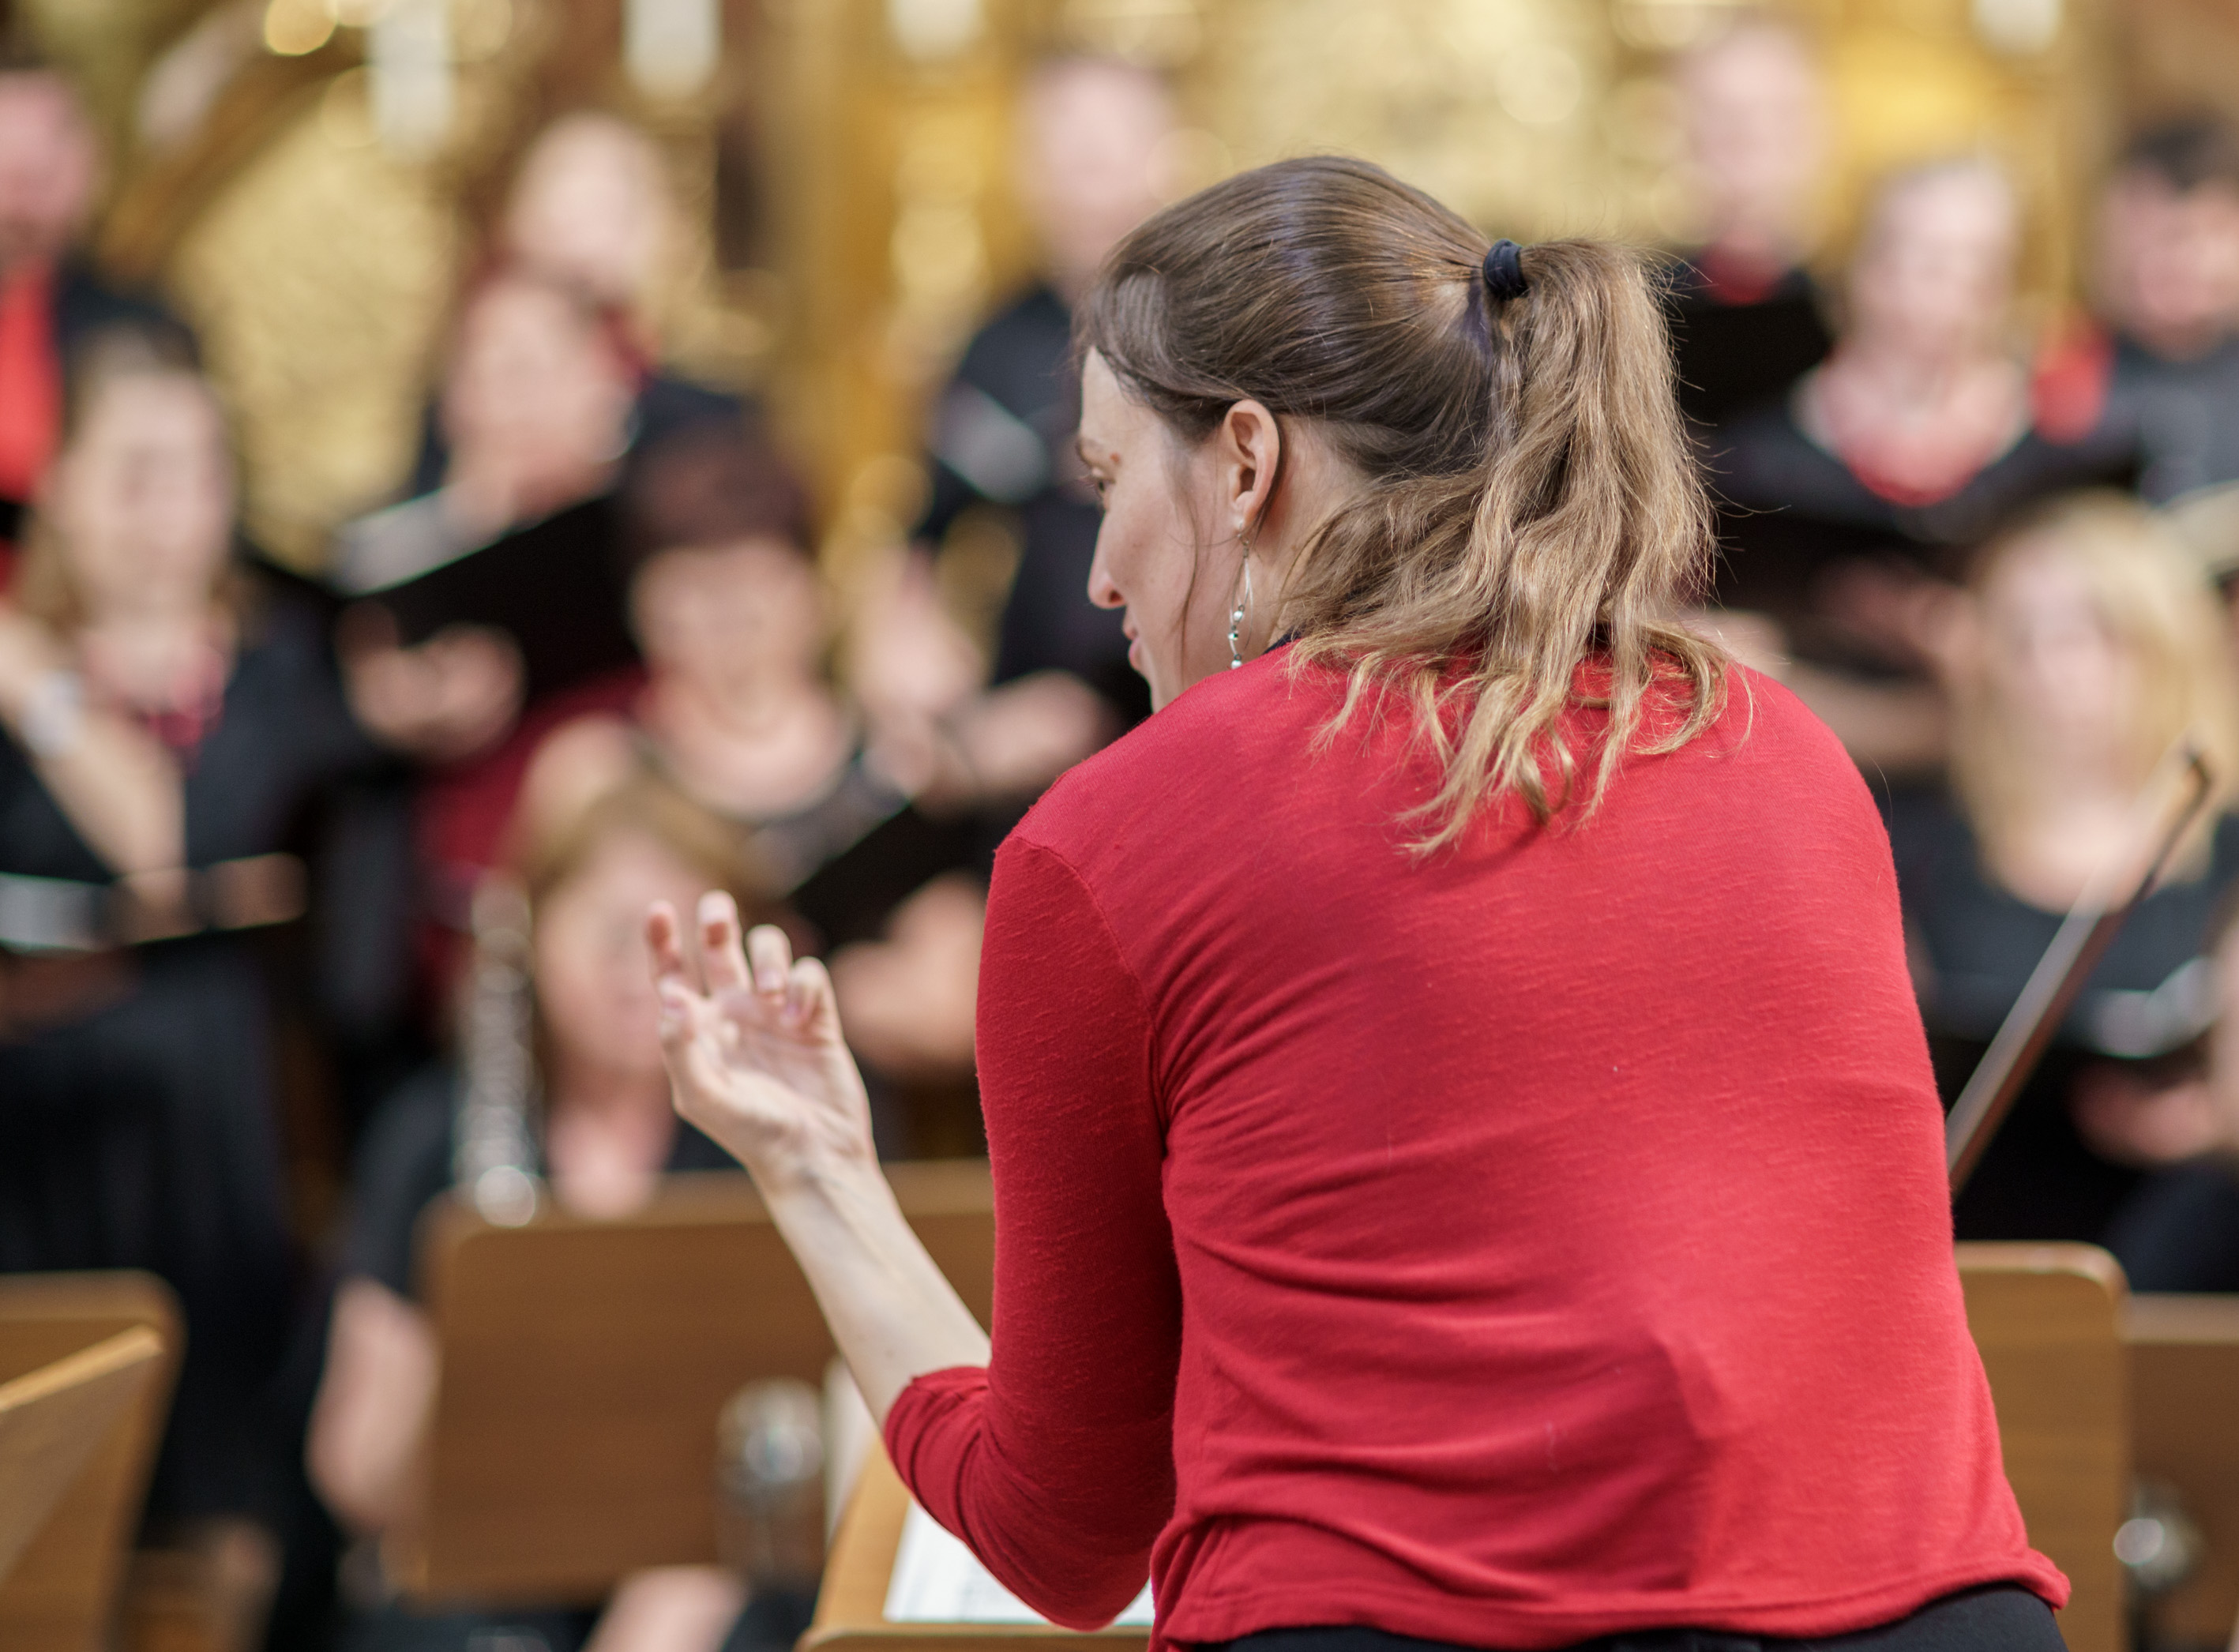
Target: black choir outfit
{"x": 556, "y": 586}
{"x": 836, "y": 867}
{"x": 1002, "y": 436}
{"x": 1791, "y": 510}
{"x": 140, "y": 1127}
{"x": 1735, "y": 345}
{"x": 2181, "y": 418}
{"x": 2149, "y": 1002}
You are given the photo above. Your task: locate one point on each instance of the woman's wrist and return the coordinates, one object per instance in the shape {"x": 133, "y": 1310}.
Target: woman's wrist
{"x": 800, "y": 1164}
{"x": 835, "y": 1186}
{"x": 893, "y": 1314}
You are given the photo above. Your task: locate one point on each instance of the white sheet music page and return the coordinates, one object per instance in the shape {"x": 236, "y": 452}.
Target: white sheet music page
{"x": 938, "y": 1580}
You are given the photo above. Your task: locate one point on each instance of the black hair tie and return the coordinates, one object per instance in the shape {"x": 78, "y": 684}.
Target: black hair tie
{"x": 1504, "y": 271}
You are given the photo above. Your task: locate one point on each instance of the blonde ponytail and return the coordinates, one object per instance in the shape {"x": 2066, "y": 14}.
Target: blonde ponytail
{"x": 1532, "y": 519}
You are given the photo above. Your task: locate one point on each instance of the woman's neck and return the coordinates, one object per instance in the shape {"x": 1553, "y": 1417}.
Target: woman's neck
{"x": 1920, "y": 382}
{"x": 753, "y": 748}
{"x": 1746, "y": 253}
{"x": 158, "y": 653}
{"x": 748, "y": 706}
{"x": 1914, "y": 425}
{"x": 2077, "y": 818}
{"x": 607, "y": 1136}
{"x": 150, "y": 611}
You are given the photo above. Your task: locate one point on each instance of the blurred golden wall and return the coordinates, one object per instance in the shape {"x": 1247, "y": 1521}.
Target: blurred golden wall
{"x": 1533, "y": 117}
{"x": 321, "y": 266}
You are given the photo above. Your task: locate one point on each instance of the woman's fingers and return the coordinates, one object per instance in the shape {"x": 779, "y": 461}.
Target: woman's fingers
{"x": 808, "y": 998}
{"x": 771, "y": 957}
{"x": 672, "y": 982}
{"x": 664, "y": 938}
{"x": 721, "y": 954}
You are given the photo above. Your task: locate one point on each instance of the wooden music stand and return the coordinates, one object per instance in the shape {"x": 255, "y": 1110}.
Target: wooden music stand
{"x": 584, "y": 1364}
{"x": 2184, "y": 1389}
{"x": 62, "y": 1595}
{"x": 2048, "y": 1320}
{"x": 851, "y": 1608}
{"x": 55, "y": 1420}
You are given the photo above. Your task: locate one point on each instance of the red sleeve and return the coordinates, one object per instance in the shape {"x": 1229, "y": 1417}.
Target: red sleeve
{"x": 1056, "y": 1463}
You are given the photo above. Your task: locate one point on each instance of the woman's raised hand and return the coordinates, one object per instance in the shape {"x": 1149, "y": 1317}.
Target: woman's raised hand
{"x": 756, "y": 1058}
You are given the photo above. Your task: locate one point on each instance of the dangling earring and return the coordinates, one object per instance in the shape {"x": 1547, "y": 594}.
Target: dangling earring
{"x": 1243, "y": 607}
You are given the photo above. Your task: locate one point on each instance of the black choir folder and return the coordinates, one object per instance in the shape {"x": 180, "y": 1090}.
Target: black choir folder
{"x": 556, "y": 587}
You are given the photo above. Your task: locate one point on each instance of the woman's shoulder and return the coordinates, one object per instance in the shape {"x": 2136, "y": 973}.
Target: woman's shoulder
{"x": 402, "y": 1165}
{"x": 1764, "y": 777}
{"x": 1241, "y": 753}
{"x": 1762, "y": 721}
{"x": 578, "y": 761}
{"x": 1764, "y": 458}
{"x": 1211, "y": 749}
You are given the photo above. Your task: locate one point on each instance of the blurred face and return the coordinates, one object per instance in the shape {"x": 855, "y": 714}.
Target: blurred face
{"x": 143, "y": 498}
{"x": 48, "y": 168}
{"x": 749, "y": 611}
{"x": 2050, "y": 650}
{"x": 1089, "y": 159}
{"x": 593, "y": 974}
{"x": 1752, "y": 108}
{"x": 1148, "y": 560}
{"x": 1936, "y": 274}
{"x": 2171, "y": 269}
{"x": 592, "y": 206}
{"x": 532, "y": 379}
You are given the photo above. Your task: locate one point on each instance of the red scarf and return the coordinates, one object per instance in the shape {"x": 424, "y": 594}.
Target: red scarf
{"x": 31, "y": 380}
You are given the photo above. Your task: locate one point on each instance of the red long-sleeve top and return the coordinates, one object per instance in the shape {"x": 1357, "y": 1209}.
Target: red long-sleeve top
{"x": 1533, "y": 1242}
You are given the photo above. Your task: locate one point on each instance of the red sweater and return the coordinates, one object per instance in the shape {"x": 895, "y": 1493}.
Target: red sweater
{"x": 1543, "y": 1240}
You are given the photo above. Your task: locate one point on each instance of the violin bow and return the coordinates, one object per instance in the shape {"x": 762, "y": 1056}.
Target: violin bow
{"x": 2054, "y": 986}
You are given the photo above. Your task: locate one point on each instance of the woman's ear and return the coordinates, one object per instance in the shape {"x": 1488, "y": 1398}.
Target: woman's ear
{"x": 1249, "y": 459}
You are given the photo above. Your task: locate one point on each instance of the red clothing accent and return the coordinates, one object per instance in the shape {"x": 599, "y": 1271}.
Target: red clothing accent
{"x": 2073, "y": 374}
{"x": 464, "y": 811}
{"x": 1909, "y": 495}
{"x": 1543, "y": 1240}
{"x": 30, "y": 381}
{"x": 1729, "y": 280}
{"x": 182, "y": 727}
{"x": 1957, "y": 470}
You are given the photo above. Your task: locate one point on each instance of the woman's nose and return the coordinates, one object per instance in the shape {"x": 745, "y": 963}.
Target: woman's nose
{"x": 1102, "y": 591}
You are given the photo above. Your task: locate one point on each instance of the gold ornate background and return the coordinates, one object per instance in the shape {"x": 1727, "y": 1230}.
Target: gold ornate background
{"x": 870, "y": 142}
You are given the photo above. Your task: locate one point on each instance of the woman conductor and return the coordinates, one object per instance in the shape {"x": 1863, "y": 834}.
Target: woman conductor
{"x": 1466, "y": 1163}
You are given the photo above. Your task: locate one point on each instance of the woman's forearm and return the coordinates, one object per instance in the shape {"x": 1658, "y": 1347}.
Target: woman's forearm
{"x": 116, "y": 784}
{"x": 892, "y": 1310}
{"x": 374, "y": 1403}
{"x": 759, "y": 1064}
{"x": 123, "y": 793}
